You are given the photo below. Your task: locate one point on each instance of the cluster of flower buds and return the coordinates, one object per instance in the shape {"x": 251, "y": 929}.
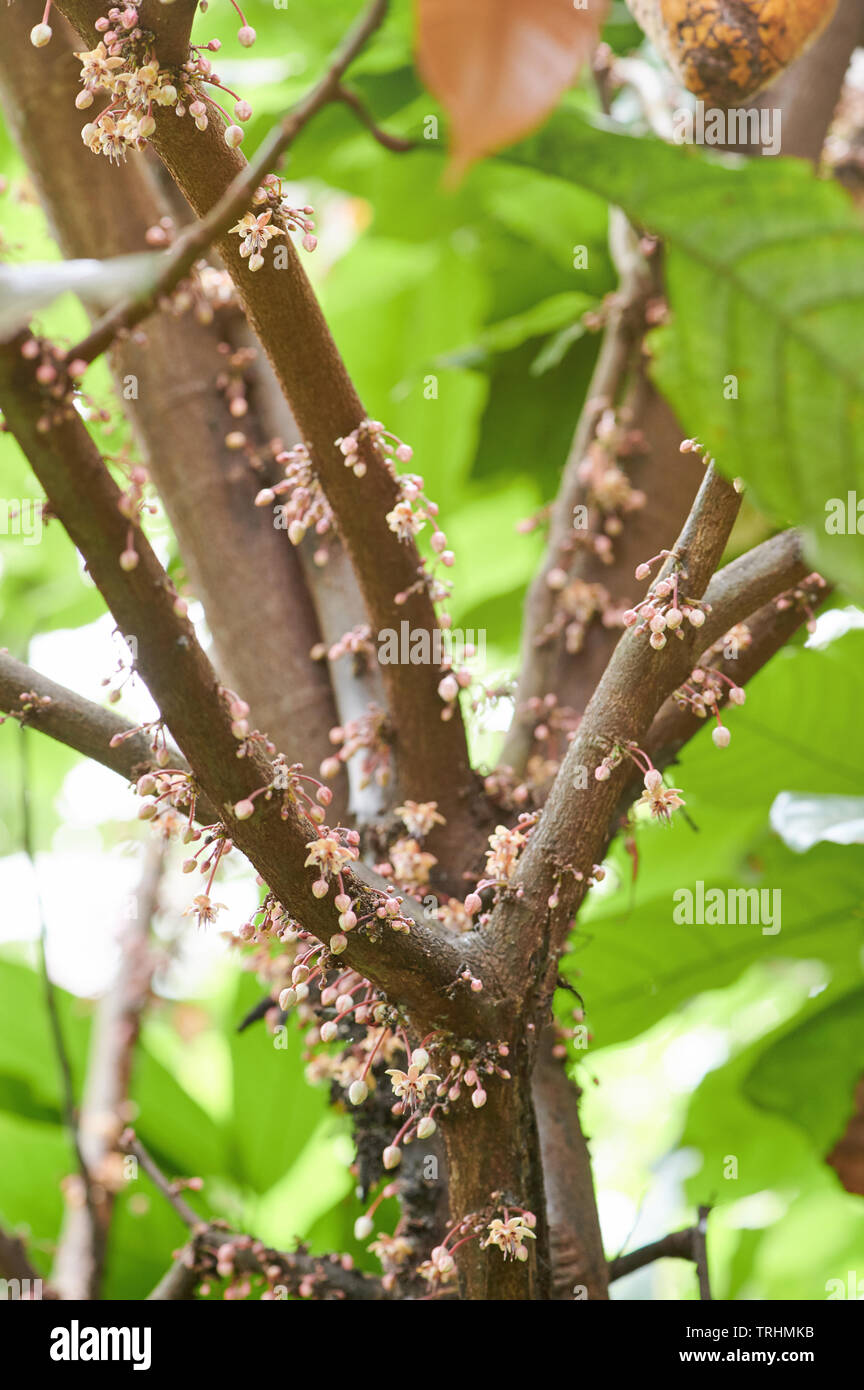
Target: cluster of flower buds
{"x": 158, "y": 743}
{"x": 305, "y": 507}
{"x": 367, "y": 734}
{"x": 506, "y": 1233}
{"x": 231, "y": 380}
{"x": 704, "y": 692}
{"x": 248, "y": 740}
{"x": 123, "y": 68}
{"x": 257, "y": 229}
{"x": 577, "y": 604}
{"x": 287, "y": 783}
{"x": 597, "y": 875}
{"x": 664, "y": 610}
{"x": 505, "y": 845}
{"x": 660, "y": 800}
{"x": 390, "y": 448}
{"x": 450, "y": 687}
{"x": 805, "y": 596}
{"x": 412, "y": 509}
{"x": 167, "y": 790}
{"x": 357, "y": 643}
{"x": 607, "y": 487}
{"x": 132, "y": 506}
{"x": 31, "y": 703}
{"x": 57, "y": 378}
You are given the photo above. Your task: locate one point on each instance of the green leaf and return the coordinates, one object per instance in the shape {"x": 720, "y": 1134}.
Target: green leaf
{"x": 274, "y": 1110}
{"x": 558, "y": 312}
{"x": 765, "y": 275}
{"x": 809, "y": 1076}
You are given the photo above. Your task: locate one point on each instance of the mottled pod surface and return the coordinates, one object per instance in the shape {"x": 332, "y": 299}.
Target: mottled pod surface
{"x": 725, "y": 51}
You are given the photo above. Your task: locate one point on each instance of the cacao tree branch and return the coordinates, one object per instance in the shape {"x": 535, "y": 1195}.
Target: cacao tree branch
{"x": 415, "y": 968}
{"x": 181, "y": 420}
{"x": 431, "y": 753}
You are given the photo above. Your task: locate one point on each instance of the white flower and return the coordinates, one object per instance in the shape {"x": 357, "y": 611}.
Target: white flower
{"x": 410, "y": 1085}
{"x": 420, "y": 816}
{"x": 661, "y": 800}
{"x": 256, "y": 233}
{"x": 508, "y": 1236}
{"x": 328, "y": 854}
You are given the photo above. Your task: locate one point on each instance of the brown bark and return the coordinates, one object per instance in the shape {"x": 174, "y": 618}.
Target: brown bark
{"x": 579, "y": 1268}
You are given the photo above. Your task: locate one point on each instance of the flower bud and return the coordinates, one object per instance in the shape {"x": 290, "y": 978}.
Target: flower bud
{"x": 420, "y": 1058}
{"x": 721, "y": 736}
{"x": 426, "y": 1127}
{"x": 338, "y": 943}
{"x": 391, "y": 1157}
{"x": 357, "y": 1092}
{"x": 448, "y": 688}
{"x": 233, "y": 136}
{"x": 363, "y": 1227}
{"x": 40, "y": 34}
{"x": 244, "y": 809}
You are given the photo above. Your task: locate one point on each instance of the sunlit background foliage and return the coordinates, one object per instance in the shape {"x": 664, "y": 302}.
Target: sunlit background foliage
{"x": 707, "y": 1042}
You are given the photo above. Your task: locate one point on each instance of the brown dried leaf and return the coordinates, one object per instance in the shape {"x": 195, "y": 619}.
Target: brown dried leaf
{"x": 499, "y": 67}
{"x": 725, "y": 51}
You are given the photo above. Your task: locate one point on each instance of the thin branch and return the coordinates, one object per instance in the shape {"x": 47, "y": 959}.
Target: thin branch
{"x": 769, "y": 630}
{"x": 689, "y": 1244}
{"x": 129, "y": 1143}
{"x": 397, "y": 144}
{"x": 198, "y": 236}
{"x": 67, "y": 1083}
{"x": 528, "y": 931}
{"x": 81, "y": 1250}
{"x": 291, "y": 1273}
{"x": 83, "y": 725}
{"x": 214, "y": 1251}
{"x": 743, "y": 586}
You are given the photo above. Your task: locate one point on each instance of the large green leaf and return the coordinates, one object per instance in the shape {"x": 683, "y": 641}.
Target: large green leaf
{"x": 765, "y": 274}
{"x": 635, "y": 962}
